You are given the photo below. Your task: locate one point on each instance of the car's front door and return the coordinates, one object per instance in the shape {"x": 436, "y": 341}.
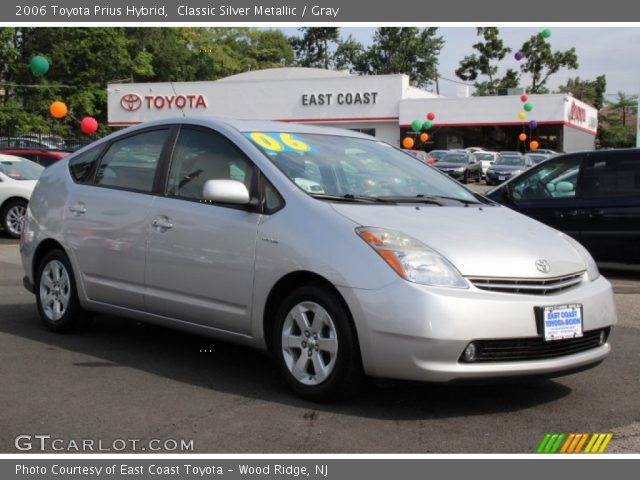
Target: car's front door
{"x": 610, "y": 186}
{"x": 548, "y": 193}
{"x": 200, "y": 259}
{"x": 106, "y": 216}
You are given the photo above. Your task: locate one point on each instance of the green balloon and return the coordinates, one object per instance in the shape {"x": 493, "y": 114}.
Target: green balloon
{"x": 546, "y": 33}
{"x": 528, "y": 107}
{"x": 416, "y": 125}
{"x": 39, "y": 65}
{"x": 427, "y": 125}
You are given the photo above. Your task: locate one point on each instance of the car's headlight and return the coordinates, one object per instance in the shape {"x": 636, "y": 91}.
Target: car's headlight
{"x": 412, "y": 259}
{"x": 592, "y": 269}
{"x": 459, "y": 169}
{"x": 516, "y": 172}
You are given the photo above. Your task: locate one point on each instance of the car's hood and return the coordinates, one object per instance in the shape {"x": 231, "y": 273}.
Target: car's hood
{"x": 506, "y": 168}
{"x": 450, "y": 165}
{"x": 490, "y": 241}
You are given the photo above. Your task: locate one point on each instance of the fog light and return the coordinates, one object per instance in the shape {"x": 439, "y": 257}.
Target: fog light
{"x": 602, "y": 338}
{"x": 469, "y": 354}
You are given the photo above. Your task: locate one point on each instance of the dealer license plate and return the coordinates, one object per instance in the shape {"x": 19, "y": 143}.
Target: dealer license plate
{"x": 562, "y": 321}
{"x": 502, "y": 178}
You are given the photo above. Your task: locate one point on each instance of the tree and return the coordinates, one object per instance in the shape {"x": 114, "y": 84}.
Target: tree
{"x": 409, "y": 50}
{"x": 622, "y": 108}
{"x": 490, "y": 51}
{"x": 589, "y": 91}
{"x": 313, "y": 48}
{"x": 349, "y": 55}
{"x": 541, "y": 62}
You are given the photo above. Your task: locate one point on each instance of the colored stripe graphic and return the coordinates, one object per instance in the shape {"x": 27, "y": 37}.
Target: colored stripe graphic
{"x": 573, "y": 442}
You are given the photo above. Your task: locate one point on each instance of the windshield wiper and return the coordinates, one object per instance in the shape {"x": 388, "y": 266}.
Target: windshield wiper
{"x": 461, "y": 200}
{"x": 351, "y": 197}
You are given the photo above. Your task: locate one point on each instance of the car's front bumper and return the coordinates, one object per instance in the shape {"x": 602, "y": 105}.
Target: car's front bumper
{"x": 413, "y": 332}
{"x": 453, "y": 174}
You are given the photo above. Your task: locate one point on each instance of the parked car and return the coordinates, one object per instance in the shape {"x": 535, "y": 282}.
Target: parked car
{"x": 460, "y": 165}
{"x": 546, "y": 151}
{"x": 41, "y": 157}
{"x": 505, "y": 167}
{"x": 18, "y": 177}
{"x": 421, "y": 155}
{"x": 24, "y": 142}
{"x": 200, "y": 224}
{"x": 536, "y": 158}
{"x": 438, "y": 154}
{"x": 486, "y": 159}
{"x": 592, "y": 196}
{"x": 474, "y": 149}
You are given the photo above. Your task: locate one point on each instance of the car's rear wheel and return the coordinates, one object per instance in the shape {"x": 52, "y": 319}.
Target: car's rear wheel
{"x": 56, "y": 294}
{"x": 13, "y": 216}
{"x": 316, "y": 346}
{"x": 465, "y": 178}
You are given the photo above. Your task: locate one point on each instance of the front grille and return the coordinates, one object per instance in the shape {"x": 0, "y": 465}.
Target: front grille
{"x": 522, "y": 349}
{"x": 528, "y": 286}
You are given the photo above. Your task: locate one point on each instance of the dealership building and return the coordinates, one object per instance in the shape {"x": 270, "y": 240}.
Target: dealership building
{"x": 380, "y": 105}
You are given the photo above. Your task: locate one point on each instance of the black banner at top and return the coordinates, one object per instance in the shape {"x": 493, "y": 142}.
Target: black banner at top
{"x": 314, "y": 11}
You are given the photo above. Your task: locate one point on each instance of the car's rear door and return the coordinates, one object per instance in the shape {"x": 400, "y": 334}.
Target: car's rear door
{"x": 610, "y": 187}
{"x": 107, "y": 215}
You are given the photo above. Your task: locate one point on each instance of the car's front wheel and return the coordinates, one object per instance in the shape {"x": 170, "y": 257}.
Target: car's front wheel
{"x": 56, "y": 294}
{"x": 13, "y": 216}
{"x": 316, "y": 346}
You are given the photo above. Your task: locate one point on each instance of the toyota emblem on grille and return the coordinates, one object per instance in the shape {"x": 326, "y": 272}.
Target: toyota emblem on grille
{"x": 130, "y": 102}
{"x": 543, "y": 266}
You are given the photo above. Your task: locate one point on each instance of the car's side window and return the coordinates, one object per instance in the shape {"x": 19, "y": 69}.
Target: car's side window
{"x": 131, "y": 163}
{"x": 617, "y": 176}
{"x": 82, "y": 166}
{"x": 201, "y": 155}
{"x": 555, "y": 179}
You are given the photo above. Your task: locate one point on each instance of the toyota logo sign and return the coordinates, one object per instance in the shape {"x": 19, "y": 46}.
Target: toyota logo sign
{"x": 543, "y": 266}
{"x": 130, "y": 102}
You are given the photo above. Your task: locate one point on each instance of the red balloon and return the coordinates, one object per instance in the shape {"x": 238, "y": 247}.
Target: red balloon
{"x": 431, "y": 116}
{"x": 89, "y": 125}
{"x": 524, "y": 98}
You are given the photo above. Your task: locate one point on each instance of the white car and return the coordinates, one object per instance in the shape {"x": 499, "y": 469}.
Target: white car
{"x": 18, "y": 177}
{"x": 486, "y": 159}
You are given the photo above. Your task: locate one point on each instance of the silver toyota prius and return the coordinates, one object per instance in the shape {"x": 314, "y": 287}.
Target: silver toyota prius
{"x": 338, "y": 253}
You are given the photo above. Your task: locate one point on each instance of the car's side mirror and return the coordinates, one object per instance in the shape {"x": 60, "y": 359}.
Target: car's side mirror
{"x": 226, "y": 191}
{"x": 491, "y": 162}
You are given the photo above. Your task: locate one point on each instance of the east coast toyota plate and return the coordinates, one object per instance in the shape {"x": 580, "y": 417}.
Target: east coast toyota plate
{"x": 562, "y": 321}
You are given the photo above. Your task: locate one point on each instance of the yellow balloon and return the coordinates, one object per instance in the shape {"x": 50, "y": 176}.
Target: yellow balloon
{"x": 522, "y": 115}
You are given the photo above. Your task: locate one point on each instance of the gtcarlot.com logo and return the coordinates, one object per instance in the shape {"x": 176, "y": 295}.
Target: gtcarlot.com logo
{"x": 574, "y": 443}
{"x": 49, "y": 443}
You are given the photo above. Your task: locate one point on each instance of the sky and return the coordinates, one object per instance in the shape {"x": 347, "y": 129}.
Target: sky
{"x": 610, "y": 51}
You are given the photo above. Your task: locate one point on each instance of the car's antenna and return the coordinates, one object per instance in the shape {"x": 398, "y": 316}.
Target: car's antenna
{"x": 176, "y": 94}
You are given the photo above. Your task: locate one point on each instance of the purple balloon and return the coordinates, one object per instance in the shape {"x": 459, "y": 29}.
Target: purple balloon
{"x": 533, "y": 124}
{"x": 519, "y": 55}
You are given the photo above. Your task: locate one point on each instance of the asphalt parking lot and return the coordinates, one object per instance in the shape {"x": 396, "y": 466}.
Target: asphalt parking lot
{"x": 126, "y": 380}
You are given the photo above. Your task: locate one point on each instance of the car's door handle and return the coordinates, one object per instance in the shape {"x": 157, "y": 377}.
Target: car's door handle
{"x": 78, "y": 208}
{"x": 162, "y": 223}
{"x": 569, "y": 213}
{"x": 596, "y": 213}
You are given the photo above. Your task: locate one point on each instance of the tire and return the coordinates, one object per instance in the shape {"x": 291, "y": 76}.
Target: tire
{"x": 316, "y": 346}
{"x": 57, "y": 296}
{"x": 465, "y": 178}
{"x": 12, "y": 217}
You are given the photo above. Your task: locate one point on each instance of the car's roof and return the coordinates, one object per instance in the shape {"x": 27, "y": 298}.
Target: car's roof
{"x": 255, "y": 125}
{"x": 33, "y": 151}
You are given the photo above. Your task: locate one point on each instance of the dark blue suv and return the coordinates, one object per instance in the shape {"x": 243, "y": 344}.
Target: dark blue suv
{"x": 592, "y": 196}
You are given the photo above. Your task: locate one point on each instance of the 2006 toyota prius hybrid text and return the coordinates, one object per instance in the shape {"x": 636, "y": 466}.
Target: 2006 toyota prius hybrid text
{"x": 339, "y": 253}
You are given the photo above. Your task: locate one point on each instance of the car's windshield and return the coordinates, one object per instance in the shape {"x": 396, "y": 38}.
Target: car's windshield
{"x": 484, "y": 157}
{"x": 349, "y": 166}
{"x": 437, "y": 154}
{"x": 455, "y": 158}
{"x": 510, "y": 160}
{"x": 537, "y": 158}
{"x": 21, "y": 169}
